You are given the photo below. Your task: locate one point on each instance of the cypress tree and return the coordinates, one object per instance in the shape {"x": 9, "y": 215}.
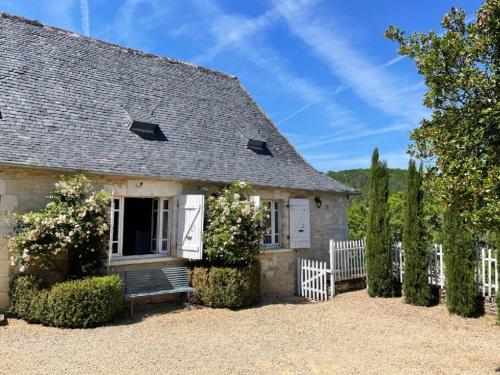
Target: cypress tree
{"x": 459, "y": 260}
{"x": 378, "y": 244}
{"x": 416, "y": 286}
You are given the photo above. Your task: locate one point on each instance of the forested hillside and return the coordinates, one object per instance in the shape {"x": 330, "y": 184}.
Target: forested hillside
{"x": 359, "y": 179}
{"x": 358, "y": 204}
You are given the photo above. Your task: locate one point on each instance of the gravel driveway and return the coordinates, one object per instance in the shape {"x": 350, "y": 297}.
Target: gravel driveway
{"x": 350, "y": 334}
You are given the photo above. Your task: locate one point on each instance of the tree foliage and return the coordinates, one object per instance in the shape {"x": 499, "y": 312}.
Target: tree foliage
{"x": 357, "y": 215}
{"x": 359, "y": 179}
{"x": 459, "y": 260}
{"x": 416, "y": 261}
{"x": 462, "y": 136}
{"x": 396, "y": 204}
{"x": 378, "y": 244}
{"x": 73, "y": 222}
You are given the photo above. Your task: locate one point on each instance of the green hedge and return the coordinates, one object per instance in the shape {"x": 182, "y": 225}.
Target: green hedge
{"x": 73, "y": 304}
{"x": 27, "y": 299}
{"x": 232, "y": 287}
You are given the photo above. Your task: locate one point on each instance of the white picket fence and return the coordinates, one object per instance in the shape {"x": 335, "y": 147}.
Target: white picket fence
{"x": 316, "y": 279}
{"x": 312, "y": 279}
{"x": 487, "y": 273}
{"x": 436, "y": 264}
{"x": 486, "y": 269}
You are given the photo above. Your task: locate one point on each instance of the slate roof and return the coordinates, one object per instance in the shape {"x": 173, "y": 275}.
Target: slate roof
{"x": 66, "y": 102}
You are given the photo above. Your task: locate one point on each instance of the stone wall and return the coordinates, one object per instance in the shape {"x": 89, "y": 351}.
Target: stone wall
{"x": 25, "y": 189}
{"x": 279, "y": 273}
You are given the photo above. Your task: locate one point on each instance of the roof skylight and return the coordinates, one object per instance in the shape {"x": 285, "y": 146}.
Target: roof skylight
{"x": 147, "y": 130}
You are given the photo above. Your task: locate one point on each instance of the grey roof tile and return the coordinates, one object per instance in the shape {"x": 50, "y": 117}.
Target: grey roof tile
{"x": 67, "y": 101}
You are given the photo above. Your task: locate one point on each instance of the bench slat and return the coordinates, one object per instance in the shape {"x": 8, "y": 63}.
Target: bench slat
{"x": 156, "y": 281}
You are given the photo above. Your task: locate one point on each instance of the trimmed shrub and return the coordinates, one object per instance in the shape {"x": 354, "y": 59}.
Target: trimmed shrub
{"x": 27, "y": 299}
{"x": 80, "y": 303}
{"x": 232, "y": 287}
{"x": 459, "y": 260}
{"x": 381, "y": 282}
{"x": 416, "y": 288}
{"x": 85, "y": 303}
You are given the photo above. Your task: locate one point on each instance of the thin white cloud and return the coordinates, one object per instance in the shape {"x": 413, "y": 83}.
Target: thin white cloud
{"x": 374, "y": 86}
{"x": 322, "y": 156}
{"x": 133, "y": 22}
{"x": 231, "y": 30}
{"x": 353, "y": 134}
{"x": 242, "y": 34}
{"x": 295, "y": 113}
{"x": 84, "y": 6}
{"x": 60, "y": 13}
{"x": 398, "y": 159}
{"x": 392, "y": 61}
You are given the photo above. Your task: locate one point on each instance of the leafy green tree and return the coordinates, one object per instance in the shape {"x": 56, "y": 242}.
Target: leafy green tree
{"x": 357, "y": 215}
{"x": 378, "y": 244}
{"x": 397, "y": 205}
{"x": 462, "y": 136}
{"x": 459, "y": 260}
{"x": 433, "y": 220}
{"x": 416, "y": 286}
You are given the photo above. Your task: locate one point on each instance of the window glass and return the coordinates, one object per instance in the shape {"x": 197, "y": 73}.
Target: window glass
{"x": 116, "y": 225}
{"x": 271, "y": 223}
{"x": 140, "y": 226}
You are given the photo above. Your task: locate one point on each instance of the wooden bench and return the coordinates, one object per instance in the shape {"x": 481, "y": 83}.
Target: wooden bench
{"x": 157, "y": 281}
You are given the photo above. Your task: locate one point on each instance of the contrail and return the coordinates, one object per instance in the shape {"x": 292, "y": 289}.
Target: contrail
{"x": 85, "y": 17}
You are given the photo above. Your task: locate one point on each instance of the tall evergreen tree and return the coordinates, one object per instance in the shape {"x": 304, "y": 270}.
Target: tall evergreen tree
{"x": 416, "y": 286}
{"x": 378, "y": 244}
{"x": 459, "y": 260}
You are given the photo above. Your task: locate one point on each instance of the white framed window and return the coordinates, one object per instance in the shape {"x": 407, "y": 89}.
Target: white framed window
{"x": 116, "y": 227}
{"x": 272, "y": 224}
{"x": 139, "y": 226}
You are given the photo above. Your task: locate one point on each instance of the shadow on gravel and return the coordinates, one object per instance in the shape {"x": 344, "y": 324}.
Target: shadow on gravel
{"x": 143, "y": 311}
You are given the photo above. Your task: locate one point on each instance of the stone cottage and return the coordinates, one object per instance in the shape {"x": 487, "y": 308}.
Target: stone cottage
{"x": 158, "y": 133}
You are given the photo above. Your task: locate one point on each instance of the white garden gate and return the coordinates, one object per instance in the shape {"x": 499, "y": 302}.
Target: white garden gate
{"x": 312, "y": 279}
{"x": 316, "y": 278}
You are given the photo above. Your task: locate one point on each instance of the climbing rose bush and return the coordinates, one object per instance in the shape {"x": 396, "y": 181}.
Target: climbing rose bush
{"x": 234, "y": 228}
{"x": 75, "y": 222}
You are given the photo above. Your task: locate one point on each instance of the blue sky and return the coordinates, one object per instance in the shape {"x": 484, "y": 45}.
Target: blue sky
{"x": 321, "y": 69}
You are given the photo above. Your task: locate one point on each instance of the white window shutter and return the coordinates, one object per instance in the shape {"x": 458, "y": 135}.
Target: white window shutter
{"x": 300, "y": 228}
{"x": 256, "y": 200}
{"x": 190, "y": 226}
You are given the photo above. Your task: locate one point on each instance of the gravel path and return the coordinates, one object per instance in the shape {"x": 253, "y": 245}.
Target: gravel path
{"x": 350, "y": 334}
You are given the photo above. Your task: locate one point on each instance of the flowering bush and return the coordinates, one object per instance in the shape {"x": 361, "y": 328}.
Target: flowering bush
{"x": 234, "y": 228}
{"x": 73, "y": 222}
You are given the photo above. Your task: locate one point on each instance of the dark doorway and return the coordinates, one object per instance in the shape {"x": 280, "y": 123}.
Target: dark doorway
{"x": 137, "y": 226}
